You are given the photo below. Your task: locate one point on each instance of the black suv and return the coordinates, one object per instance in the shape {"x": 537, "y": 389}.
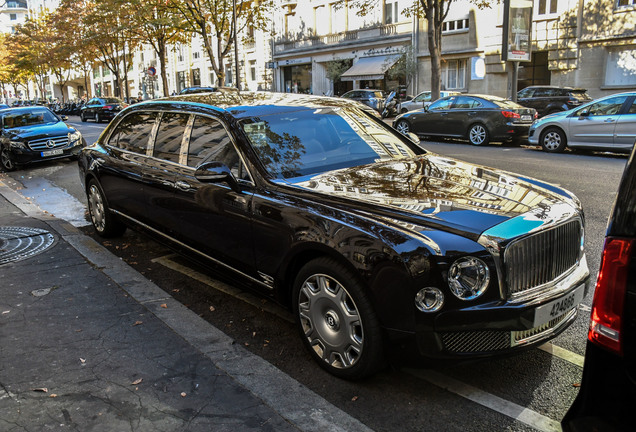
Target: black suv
{"x": 607, "y": 397}
{"x": 549, "y": 99}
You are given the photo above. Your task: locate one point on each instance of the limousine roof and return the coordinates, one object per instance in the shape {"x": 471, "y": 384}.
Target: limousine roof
{"x": 242, "y": 104}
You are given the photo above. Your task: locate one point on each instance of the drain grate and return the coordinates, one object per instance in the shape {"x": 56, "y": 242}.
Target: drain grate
{"x": 18, "y": 243}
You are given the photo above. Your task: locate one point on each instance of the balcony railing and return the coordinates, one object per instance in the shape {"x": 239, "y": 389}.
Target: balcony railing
{"x": 291, "y": 42}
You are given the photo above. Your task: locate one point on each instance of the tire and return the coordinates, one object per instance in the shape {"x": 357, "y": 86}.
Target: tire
{"x": 104, "y": 222}
{"x": 337, "y": 323}
{"x": 97, "y": 119}
{"x": 478, "y": 134}
{"x": 404, "y": 110}
{"x": 5, "y": 159}
{"x": 403, "y": 127}
{"x": 553, "y": 140}
{"x": 82, "y": 117}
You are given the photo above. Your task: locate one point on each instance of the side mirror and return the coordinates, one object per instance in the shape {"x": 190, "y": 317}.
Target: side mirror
{"x": 425, "y": 106}
{"x": 64, "y": 118}
{"x": 584, "y": 113}
{"x": 216, "y": 172}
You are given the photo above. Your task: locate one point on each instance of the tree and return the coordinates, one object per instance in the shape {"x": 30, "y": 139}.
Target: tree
{"x": 158, "y": 25}
{"x": 212, "y": 21}
{"x": 31, "y": 52}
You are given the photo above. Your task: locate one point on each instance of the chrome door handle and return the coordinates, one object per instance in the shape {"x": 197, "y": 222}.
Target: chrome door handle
{"x": 610, "y": 120}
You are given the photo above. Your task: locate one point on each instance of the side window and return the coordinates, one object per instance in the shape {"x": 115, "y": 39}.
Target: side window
{"x": 424, "y": 97}
{"x": 525, "y": 93}
{"x": 133, "y": 132}
{"x": 609, "y": 106}
{"x": 464, "y": 102}
{"x": 170, "y": 136}
{"x": 632, "y": 109}
{"x": 442, "y": 104}
{"x": 209, "y": 141}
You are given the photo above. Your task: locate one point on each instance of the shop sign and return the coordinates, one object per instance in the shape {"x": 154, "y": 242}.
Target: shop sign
{"x": 382, "y": 51}
{"x": 291, "y": 62}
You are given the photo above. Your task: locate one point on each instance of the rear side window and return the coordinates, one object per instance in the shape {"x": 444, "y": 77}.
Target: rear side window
{"x": 170, "y": 136}
{"x": 464, "y": 102}
{"x": 133, "y": 132}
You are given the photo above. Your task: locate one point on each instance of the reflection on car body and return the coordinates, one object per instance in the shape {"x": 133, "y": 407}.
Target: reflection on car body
{"x": 380, "y": 248}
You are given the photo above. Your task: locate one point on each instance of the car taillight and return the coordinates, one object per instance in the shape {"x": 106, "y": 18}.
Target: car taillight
{"x": 108, "y": 107}
{"x": 609, "y": 296}
{"x": 510, "y": 114}
{"x": 536, "y": 115}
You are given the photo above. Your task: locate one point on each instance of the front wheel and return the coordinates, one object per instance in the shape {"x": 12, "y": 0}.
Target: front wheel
{"x": 105, "y": 223}
{"x": 553, "y": 140}
{"x": 83, "y": 117}
{"x": 5, "y": 158}
{"x": 336, "y": 320}
{"x": 97, "y": 118}
{"x": 478, "y": 134}
{"x": 403, "y": 127}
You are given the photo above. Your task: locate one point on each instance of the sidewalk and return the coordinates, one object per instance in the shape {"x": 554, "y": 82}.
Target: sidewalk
{"x": 88, "y": 344}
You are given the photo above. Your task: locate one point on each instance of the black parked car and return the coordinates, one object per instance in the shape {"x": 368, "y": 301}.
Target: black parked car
{"x": 371, "y": 98}
{"x": 197, "y": 89}
{"x": 380, "y": 248}
{"x": 607, "y": 396}
{"x": 549, "y": 99}
{"x": 101, "y": 109}
{"x": 34, "y": 134}
{"x": 477, "y": 118}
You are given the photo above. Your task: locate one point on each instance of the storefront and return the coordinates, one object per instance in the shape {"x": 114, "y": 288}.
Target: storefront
{"x": 371, "y": 71}
{"x": 296, "y": 75}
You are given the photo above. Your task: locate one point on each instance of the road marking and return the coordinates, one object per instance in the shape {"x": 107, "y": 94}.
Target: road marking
{"x": 563, "y": 354}
{"x": 495, "y": 403}
{"x": 251, "y": 299}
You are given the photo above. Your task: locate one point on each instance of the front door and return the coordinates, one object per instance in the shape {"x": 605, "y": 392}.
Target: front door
{"x": 594, "y": 125}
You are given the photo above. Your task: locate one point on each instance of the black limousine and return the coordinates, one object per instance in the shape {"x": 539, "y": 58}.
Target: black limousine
{"x": 377, "y": 245}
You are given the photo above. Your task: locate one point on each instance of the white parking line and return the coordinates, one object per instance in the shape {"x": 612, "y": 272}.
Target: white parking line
{"x": 495, "y": 403}
{"x": 234, "y": 292}
{"x": 562, "y": 353}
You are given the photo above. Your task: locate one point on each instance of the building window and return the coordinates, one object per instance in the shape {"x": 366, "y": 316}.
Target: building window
{"x": 454, "y": 74}
{"x": 196, "y": 55}
{"x": 623, "y": 3}
{"x": 13, "y": 17}
{"x": 545, "y": 7}
{"x": 196, "y": 77}
{"x": 253, "y": 69}
{"x": 393, "y": 13}
{"x": 181, "y": 81}
{"x": 620, "y": 69}
{"x": 455, "y": 25}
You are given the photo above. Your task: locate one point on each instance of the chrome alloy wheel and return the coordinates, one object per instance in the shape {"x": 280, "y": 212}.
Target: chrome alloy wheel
{"x": 403, "y": 127}
{"x": 330, "y": 321}
{"x": 478, "y": 134}
{"x": 7, "y": 163}
{"x": 96, "y": 208}
{"x": 552, "y": 140}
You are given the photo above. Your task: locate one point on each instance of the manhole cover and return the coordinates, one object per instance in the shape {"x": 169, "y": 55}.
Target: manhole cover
{"x": 18, "y": 243}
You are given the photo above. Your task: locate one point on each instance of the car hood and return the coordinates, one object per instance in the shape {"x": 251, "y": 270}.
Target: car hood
{"x": 437, "y": 191}
{"x": 40, "y": 131}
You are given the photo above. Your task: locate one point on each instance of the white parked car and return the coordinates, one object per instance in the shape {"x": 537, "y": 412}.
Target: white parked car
{"x": 421, "y": 100}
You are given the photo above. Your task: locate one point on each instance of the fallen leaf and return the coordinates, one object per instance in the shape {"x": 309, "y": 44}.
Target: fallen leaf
{"x": 41, "y": 389}
{"x": 165, "y": 306}
{"x": 53, "y": 395}
{"x": 576, "y": 385}
{"x": 246, "y": 344}
{"x": 183, "y": 394}
{"x": 212, "y": 309}
{"x": 137, "y": 381}
{"x": 355, "y": 398}
{"x": 174, "y": 290}
{"x": 138, "y": 323}
{"x": 6, "y": 312}
{"x": 253, "y": 334}
{"x": 82, "y": 360}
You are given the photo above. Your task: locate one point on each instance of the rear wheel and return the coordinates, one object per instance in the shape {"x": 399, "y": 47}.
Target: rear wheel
{"x": 336, "y": 320}
{"x": 403, "y": 127}
{"x": 97, "y": 118}
{"x": 553, "y": 140}
{"x": 478, "y": 134}
{"x": 105, "y": 223}
{"x": 83, "y": 117}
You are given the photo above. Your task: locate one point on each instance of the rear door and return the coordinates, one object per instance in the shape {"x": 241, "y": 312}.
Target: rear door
{"x": 438, "y": 119}
{"x": 594, "y": 124}
{"x": 625, "y": 131}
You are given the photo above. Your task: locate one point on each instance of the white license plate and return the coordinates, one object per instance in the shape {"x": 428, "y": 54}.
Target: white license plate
{"x": 526, "y": 118}
{"x": 558, "y": 307}
{"x": 52, "y": 153}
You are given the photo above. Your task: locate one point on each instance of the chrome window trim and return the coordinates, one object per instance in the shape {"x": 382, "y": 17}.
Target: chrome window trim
{"x": 266, "y": 283}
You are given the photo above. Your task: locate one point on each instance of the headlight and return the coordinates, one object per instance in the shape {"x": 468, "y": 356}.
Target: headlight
{"x": 468, "y": 278}
{"x": 17, "y": 144}
{"x": 75, "y": 136}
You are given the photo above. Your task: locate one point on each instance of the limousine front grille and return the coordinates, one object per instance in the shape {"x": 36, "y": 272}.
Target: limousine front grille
{"x": 49, "y": 143}
{"x": 542, "y": 257}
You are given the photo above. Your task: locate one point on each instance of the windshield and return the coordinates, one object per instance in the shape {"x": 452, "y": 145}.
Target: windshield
{"x": 309, "y": 142}
{"x": 111, "y": 101}
{"x": 22, "y": 118}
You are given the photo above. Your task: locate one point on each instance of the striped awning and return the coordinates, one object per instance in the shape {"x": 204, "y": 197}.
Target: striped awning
{"x": 369, "y": 68}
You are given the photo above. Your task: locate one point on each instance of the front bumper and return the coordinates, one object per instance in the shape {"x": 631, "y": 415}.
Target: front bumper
{"x": 25, "y": 156}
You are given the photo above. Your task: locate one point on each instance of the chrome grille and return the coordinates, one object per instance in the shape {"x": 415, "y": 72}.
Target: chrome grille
{"x": 41, "y": 144}
{"x": 542, "y": 257}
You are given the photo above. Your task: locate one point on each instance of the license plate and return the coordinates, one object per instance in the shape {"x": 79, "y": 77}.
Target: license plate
{"x": 52, "y": 153}
{"x": 558, "y": 307}
{"x": 526, "y": 118}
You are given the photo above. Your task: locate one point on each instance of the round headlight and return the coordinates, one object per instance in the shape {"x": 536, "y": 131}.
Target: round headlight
{"x": 468, "y": 278}
{"x": 429, "y": 299}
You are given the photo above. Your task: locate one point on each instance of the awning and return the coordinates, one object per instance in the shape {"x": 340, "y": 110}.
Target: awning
{"x": 369, "y": 68}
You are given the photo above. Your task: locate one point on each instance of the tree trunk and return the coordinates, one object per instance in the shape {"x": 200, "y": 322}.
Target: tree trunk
{"x": 435, "y": 49}
{"x": 162, "y": 65}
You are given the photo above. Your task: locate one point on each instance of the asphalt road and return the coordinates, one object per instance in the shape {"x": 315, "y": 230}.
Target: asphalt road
{"x": 529, "y": 391}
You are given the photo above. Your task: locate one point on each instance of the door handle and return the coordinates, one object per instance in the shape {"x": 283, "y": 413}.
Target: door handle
{"x": 609, "y": 120}
{"x": 183, "y": 185}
